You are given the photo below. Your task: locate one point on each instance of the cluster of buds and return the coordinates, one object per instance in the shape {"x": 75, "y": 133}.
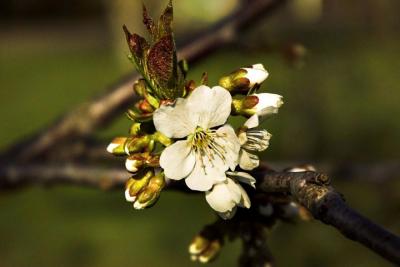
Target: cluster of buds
{"x": 143, "y": 189}
{"x": 246, "y": 81}
{"x": 203, "y": 249}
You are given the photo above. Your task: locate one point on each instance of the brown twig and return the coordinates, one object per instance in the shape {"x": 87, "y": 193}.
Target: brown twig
{"x": 88, "y": 117}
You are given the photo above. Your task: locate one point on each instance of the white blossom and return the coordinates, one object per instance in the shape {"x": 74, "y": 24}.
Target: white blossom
{"x": 226, "y": 196}
{"x": 252, "y": 140}
{"x": 207, "y": 152}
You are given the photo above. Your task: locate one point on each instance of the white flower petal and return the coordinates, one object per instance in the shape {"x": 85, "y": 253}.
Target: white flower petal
{"x": 242, "y": 138}
{"x": 257, "y": 140}
{"x": 258, "y": 66}
{"x": 210, "y": 106}
{"x": 248, "y": 161}
{"x": 245, "y": 200}
{"x": 235, "y": 190}
{"x": 111, "y": 147}
{"x": 175, "y": 121}
{"x": 243, "y": 177}
{"x": 177, "y": 160}
{"x": 252, "y": 122}
{"x": 230, "y": 143}
{"x": 131, "y": 165}
{"x": 256, "y": 75}
{"x": 206, "y": 173}
{"x": 224, "y": 196}
{"x": 268, "y": 104}
{"x": 128, "y": 197}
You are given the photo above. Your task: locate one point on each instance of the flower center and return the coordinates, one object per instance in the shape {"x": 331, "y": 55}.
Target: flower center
{"x": 204, "y": 143}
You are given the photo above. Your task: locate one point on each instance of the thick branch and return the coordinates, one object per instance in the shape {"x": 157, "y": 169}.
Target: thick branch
{"x": 312, "y": 190}
{"x": 100, "y": 111}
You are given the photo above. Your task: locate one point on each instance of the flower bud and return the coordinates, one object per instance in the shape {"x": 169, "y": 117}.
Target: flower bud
{"x": 135, "y": 128}
{"x": 236, "y": 82}
{"x": 263, "y": 104}
{"x": 116, "y": 146}
{"x": 198, "y": 244}
{"x": 139, "y": 117}
{"x": 140, "y": 87}
{"x": 136, "y": 184}
{"x": 150, "y": 194}
{"x": 211, "y": 252}
{"x": 244, "y": 79}
{"x": 138, "y": 161}
{"x": 162, "y": 139}
{"x": 138, "y": 144}
{"x": 144, "y": 106}
{"x": 204, "y": 250}
{"x": 134, "y": 163}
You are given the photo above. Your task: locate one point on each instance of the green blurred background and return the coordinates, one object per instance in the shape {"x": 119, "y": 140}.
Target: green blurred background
{"x": 341, "y": 105}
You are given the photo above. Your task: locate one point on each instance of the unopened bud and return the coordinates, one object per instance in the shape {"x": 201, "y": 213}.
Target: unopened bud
{"x": 235, "y": 82}
{"x": 137, "y": 184}
{"x": 244, "y": 106}
{"x": 139, "y": 161}
{"x": 138, "y": 144}
{"x": 161, "y": 138}
{"x": 198, "y": 244}
{"x": 135, "y": 128}
{"x": 211, "y": 252}
{"x": 263, "y": 104}
{"x": 140, "y": 87}
{"x": 139, "y": 117}
{"x": 144, "y": 106}
{"x": 149, "y": 195}
{"x": 134, "y": 163}
{"x": 250, "y": 101}
{"x": 116, "y": 146}
{"x": 204, "y": 250}
{"x": 244, "y": 79}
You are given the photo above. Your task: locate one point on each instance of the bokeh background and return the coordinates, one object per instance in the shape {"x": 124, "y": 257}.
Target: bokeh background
{"x": 341, "y": 106}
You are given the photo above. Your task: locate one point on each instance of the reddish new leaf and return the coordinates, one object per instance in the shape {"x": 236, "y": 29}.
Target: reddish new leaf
{"x": 161, "y": 60}
{"x": 149, "y": 23}
{"x": 137, "y": 44}
{"x": 166, "y": 18}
